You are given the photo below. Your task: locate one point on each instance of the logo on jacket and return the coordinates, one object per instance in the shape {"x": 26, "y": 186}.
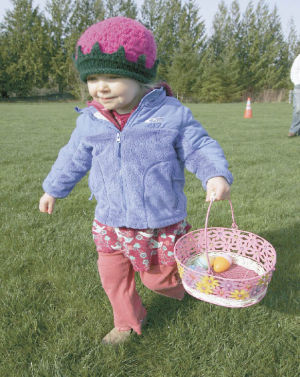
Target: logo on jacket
{"x": 155, "y": 121}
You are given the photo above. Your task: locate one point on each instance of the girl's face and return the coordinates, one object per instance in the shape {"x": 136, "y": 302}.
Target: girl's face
{"x": 114, "y": 92}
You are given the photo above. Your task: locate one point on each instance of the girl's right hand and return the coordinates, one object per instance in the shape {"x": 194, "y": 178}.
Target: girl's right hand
{"x": 47, "y": 203}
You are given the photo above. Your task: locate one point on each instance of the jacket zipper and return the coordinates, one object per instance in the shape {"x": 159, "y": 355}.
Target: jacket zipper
{"x": 119, "y": 144}
{"x": 118, "y": 140}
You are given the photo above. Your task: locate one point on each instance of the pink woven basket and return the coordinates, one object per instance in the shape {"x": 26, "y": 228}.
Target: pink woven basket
{"x": 246, "y": 281}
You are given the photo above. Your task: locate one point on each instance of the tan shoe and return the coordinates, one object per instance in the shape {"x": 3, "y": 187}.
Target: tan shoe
{"x": 115, "y": 336}
{"x": 292, "y": 134}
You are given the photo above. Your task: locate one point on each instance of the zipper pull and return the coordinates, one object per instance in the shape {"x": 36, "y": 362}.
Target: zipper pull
{"x": 119, "y": 146}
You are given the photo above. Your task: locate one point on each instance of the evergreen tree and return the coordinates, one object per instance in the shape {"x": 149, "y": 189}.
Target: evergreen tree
{"x": 4, "y": 62}
{"x": 126, "y": 8}
{"x": 210, "y": 81}
{"x": 184, "y": 70}
{"x": 84, "y": 14}
{"x": 220, "y": 68}
{"x": 263, "y": 49}
{"x": 151, "y": 14}
{"x": 270, "y": 72}
{"x": 276, "y": 51}
{"x": 25, "y": 48}
{"x": 59, "y": 25}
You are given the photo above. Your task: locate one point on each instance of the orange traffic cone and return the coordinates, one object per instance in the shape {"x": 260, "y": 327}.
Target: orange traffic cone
{"x": 248, "y": 111}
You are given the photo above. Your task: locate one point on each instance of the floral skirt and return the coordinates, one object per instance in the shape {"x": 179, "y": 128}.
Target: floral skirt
{"x": 143, "y": 247}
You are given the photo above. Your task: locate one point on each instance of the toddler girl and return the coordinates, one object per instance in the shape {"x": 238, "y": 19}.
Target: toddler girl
{"x": 135, "y": 141}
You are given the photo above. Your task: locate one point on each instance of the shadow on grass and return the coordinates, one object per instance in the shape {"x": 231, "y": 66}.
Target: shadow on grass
{"x": 283, "y": 291}
{"x": 164, "y": 311}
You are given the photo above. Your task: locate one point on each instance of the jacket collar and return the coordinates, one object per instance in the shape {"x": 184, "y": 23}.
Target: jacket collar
{"x": 156, "y": 96}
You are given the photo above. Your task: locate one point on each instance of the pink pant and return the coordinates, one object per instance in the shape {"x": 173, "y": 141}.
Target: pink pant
{"x": 117, "y": 277}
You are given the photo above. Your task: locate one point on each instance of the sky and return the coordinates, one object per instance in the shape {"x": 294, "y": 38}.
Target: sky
{"x": 287, "y": 9}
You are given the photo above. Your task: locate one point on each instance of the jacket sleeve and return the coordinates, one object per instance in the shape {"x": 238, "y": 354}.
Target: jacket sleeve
{"x": 201, "y": 154}
{"x": 73, "y": 162}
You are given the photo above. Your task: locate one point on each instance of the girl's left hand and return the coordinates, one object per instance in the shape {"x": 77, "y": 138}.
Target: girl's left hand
{"x": 219, "y": 186}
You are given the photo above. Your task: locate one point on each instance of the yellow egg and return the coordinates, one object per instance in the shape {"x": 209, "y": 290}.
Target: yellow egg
{"x": 222, "y": 263}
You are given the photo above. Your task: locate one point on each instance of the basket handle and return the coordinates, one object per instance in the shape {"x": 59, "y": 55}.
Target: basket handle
{"x": 234, "y": 225}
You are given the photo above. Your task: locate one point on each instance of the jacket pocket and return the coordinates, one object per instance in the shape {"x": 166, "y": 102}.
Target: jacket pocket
{"x": 163, "y": 190}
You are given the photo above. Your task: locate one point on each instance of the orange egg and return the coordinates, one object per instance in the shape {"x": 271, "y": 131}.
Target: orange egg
{"x": 222, "y": 263}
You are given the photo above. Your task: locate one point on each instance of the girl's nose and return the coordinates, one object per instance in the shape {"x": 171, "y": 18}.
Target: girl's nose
{"x": 102, "y": 86}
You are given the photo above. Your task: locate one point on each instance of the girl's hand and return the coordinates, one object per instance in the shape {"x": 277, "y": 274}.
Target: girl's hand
{"x": 47, "y": 203}
{"x": 219, "y": 186}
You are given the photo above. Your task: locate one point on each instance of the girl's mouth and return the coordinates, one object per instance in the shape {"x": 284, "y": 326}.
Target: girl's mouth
{"x": 106, "y": 99}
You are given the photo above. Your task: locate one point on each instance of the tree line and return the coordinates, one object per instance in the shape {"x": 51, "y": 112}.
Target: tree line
{"x": 245, "y": 53}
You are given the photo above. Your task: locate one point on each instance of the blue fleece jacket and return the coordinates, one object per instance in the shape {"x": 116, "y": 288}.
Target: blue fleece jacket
{"x": 137, "y": 175}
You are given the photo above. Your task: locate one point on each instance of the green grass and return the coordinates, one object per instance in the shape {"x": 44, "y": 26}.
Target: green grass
{"x": 53, "y": 310}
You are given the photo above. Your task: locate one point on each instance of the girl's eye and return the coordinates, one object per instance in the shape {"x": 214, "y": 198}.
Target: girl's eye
{"x": 92, "y": 78}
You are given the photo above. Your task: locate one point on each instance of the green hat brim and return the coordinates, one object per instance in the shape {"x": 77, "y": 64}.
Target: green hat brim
{"x": 98, "y": 62}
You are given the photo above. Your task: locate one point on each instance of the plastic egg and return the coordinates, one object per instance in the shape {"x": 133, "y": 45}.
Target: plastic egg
{"x": 201, "y": 261}
{"x": 222, "y": 263}
{"x": 196, "y": 268}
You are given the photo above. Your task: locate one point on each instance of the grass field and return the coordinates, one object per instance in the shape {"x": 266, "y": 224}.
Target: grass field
{"x": 53, "y": 310}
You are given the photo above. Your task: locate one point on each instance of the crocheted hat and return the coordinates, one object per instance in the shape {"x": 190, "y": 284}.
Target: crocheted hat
{"x": 117, "y": 45}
